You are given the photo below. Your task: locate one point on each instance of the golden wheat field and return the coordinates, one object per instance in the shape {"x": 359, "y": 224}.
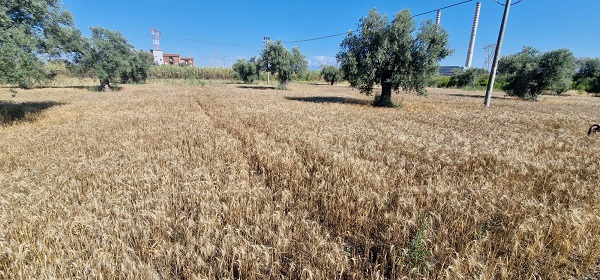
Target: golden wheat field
{"x": 248, "y": 182}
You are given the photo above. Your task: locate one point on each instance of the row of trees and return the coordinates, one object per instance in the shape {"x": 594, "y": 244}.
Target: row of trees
{"x": 392, "y": 54}
{"x": 529, "y": 73}
{"x": 275, "y": 58}
{"x": 34, "y": 32}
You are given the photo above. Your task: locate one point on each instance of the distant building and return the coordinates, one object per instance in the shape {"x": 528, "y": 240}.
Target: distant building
{"x": 449, "y": 70}
{"x": 158, "y": 57}
{"x": 171, "y": 58}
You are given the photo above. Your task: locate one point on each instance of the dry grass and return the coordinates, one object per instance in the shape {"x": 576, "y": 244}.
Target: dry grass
{"x": 163, "y": 181}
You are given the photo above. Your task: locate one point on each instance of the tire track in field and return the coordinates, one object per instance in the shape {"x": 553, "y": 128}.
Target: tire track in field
{"x": 267, "y": 166}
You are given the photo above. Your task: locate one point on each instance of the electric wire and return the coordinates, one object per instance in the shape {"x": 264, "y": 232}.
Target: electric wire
{"x": 512, "y": 4}
{"x": 443, "y": 8}
{"x": 316, "y": 38}
{"x": 207, "y": 42}
{"x": 344, "y": 33}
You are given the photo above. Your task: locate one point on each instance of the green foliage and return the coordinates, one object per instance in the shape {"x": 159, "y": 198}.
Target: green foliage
{"x": 310, "y": 76}
{"x": 520, "y": 71}
{"x": 247, "y": 70}
{"x": 440, "y": 81}
{"x": 529, "y": 72}
{"x": 138, "y": 69}
{"x": 392, "y": 54}
{"x": 472, "y": 77}
{"x": 190, "y": 72}
{"x": 587, "y": 77}
{"x": 112, "y": 59}
{"x": 283, "y": 63}
{"x": 31, "y": 31}
{"x": 417, "y": 254}
{"x": 556, "y": 70}
{"x": 331, "y": 74}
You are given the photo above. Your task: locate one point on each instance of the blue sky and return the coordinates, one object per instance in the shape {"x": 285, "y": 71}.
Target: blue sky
{"x": 218, "y": 32}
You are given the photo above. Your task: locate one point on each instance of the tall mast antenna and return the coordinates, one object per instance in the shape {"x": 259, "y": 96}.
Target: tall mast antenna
{"x": 155, "y": 38}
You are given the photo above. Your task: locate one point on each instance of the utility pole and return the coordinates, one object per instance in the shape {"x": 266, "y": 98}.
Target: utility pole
{"x": 267, "y": 40}
{"x": 438, "y": 18}
{"x": 490, "y": 86}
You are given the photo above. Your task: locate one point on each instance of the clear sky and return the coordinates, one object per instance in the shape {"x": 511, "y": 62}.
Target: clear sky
{"x": 218, "y": 32}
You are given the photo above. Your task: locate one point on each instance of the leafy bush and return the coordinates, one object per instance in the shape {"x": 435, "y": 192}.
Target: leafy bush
{"x": 440, "y": 81}
{"x": 472, "y": 77}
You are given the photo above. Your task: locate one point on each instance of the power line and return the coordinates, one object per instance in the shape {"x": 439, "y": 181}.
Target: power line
{"x": 344, "y": 33}
{"x": 318, "y": 38}
{"x": 443, "y": 8}
{"x": 207, "y": 42}
{"x": 510, "y": 4}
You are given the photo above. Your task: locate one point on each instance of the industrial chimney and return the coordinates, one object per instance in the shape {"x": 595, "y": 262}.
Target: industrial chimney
{"x": 473, "y": 35}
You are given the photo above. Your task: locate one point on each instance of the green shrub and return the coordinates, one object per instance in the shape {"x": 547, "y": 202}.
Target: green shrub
{"x": 440, "y": 81}
{"x": 472, "y": 77}
{"x": 247, "y": 70}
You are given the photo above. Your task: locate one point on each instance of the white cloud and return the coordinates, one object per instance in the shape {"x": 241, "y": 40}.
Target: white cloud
{"x": 322, "y": 60}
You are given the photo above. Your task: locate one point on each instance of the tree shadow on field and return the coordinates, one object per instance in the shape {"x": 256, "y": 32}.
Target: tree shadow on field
{"x": 479, "y": 96}
{"x": 258, "y": 87}
{"x": 27, "y": 111}
{"x": 331, "y": 99}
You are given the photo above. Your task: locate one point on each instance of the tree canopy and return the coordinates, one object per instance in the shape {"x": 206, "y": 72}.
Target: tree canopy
{"x": 530, "y": 72}
{"x": 31, "y": 31}
{"x": 587, "y": 77}
{"x": 392, "y": 54}
{"x": 556, "y": 70}
{"x": 331, "y": 74}
{"x": 282, "y": 62}
{"x": 112, "y": 59}
{"x": 247, "y": 70}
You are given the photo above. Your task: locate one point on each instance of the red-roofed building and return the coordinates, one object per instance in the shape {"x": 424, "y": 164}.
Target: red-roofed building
{"x": 172, "y": 58}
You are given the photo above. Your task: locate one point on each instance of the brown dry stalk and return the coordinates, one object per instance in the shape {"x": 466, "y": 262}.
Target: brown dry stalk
{"x": 228, "y": 181}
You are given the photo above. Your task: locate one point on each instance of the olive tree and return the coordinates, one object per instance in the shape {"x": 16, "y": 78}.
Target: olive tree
{"x": 530, "y": 72}
{"x": 283, "y": 63}
{"x": 30, "y": 32}
{"x": 330, "y": 74}
{"x": 556, "y": 70}
{"x": 392, "y": 54}
{"x": 587, "y": 77}
{"x": 247, "y": 70}
{"x": 112, "y": 59}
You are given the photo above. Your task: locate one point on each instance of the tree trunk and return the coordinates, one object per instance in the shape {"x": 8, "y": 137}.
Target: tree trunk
{"x": 385, "y": 99}
{"x": 105, "y": 86}
{"x": 332, "y": 82}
